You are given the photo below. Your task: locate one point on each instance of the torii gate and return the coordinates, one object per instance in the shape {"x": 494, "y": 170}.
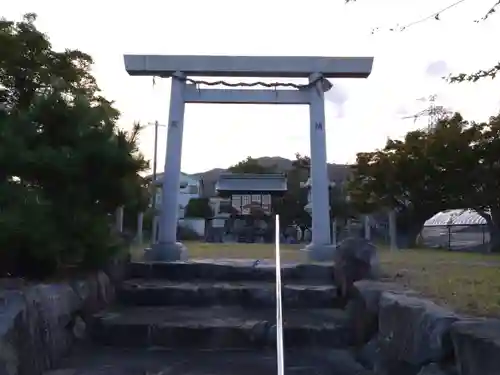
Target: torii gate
{"x": 184, "y": 90}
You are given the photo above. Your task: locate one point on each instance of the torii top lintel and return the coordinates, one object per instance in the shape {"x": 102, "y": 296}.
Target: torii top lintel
{"x": 248, "y": 66}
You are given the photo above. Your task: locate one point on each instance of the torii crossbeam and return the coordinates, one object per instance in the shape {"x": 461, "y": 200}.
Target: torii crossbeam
{"x": 316, "y": 69}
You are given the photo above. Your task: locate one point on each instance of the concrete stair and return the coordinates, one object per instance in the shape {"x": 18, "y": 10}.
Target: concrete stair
{"x": 218, "y": 327}
{"x": 251, "y": 294}
{"x": 218, "y": 318}
{"x": 233, "y": 270}
{"x": 222, "y": 305}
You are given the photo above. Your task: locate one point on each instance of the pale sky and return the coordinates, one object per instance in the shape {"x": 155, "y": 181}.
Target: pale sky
{"x": 360, "y": 114}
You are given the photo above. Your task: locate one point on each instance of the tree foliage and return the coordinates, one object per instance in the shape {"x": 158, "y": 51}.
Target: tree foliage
{"x": 454, "y": 165}
{"x": 64, "y": 163}
{"x": 250, "y": 165}
{"x": 199, "y": 208}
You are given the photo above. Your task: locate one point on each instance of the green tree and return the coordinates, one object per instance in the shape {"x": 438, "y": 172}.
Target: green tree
{"x": 461, "y": 77}
{"x": 250, "y": 165}
{"x": 291, "y": 206}
{"x": 484, "y": 177}
{"x": 64, "y": 164}
{"x": 427, "y": 172}
{"x": 198, "y": 207}
{"x": 341, "y": 207}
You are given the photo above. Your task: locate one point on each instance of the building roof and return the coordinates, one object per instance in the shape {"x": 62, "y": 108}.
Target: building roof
{"x": 455, "y": 217}
{"x": 251, "y": 183}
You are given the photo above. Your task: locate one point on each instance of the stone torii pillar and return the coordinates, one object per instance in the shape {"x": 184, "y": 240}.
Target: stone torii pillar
{"x": 316, "y": 69}
{"x": 320, "y": 247}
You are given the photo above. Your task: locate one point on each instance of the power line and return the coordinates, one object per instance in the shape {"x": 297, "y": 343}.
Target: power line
{"x": 435, "y": 15}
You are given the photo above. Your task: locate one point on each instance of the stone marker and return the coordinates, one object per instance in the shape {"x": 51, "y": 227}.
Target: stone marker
{"x": 355, "y": 259}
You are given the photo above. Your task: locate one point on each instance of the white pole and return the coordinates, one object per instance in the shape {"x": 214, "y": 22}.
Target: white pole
{"x": 155, "y": 187}
{"x": 393, "y": 230}
{"x": 367, "y": 227}
{"x": 119, "y": 219}
{"x": 154, "y": 234}
{"x": 140, "y": 220}
{"x": 279, "y": 315}
{"x": 334, "y": 232}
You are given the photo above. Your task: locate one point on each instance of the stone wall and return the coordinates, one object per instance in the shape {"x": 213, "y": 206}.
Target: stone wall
{"x": 39, "y": 323}
{"x": 409, "y": 335}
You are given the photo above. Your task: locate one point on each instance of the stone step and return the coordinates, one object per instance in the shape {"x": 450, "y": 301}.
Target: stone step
{"x": 125, "y": 361}
{"x": 255, "y": 294}
{"x": 218, "y": 327}
{"x": 233, "y": 270}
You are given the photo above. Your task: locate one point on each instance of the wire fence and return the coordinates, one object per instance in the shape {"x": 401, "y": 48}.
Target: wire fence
{"x": 456, "y": 236}
{"x": 459, "y": 237}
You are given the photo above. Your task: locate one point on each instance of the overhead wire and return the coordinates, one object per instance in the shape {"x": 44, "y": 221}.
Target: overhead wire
{"x": 434, "y": 15}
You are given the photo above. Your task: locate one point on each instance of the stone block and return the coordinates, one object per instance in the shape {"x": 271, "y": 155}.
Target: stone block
{"x": 38, "y": 322}
{"x": 477, "y": 346}
{"x": 363, "y": 308}
{"x": 413, "y": 331}
{"x": 354, "y": 259}
{"x": 372, "y": 290}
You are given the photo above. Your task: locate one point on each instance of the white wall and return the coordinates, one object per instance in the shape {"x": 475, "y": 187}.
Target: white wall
{"x": 189, "y": 188}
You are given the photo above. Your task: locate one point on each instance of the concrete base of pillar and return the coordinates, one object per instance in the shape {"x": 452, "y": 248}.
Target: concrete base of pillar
{"x": 166, "y": 252}
{"x": 320, "y": 253}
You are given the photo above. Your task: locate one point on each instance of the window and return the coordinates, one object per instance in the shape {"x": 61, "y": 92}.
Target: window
{"x": 245, "y": 200}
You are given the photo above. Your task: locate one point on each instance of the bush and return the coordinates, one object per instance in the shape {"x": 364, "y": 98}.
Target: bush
{"x": 187, "y": 234}
{"x": 198, "y": 207}
{"x": 64, "y": 162}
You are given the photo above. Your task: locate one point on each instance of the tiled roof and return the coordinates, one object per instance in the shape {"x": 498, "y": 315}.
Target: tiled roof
{"x": 251, "y": 182}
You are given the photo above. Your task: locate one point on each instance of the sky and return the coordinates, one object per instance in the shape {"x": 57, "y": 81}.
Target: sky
{"x": 360, "y": 113}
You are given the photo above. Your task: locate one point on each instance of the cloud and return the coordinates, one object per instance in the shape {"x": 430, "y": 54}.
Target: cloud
{"x": 402, "y": 110}
{"x": 338, "y": 96}
{"x": 438, "y": 68}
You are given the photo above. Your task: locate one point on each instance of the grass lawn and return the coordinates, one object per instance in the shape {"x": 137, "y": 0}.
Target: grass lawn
{"x": 466, "y": 282}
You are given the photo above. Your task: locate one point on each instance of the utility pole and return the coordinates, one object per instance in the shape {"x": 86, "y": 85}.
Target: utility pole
{"x": 155, "y": 157}
{"x": 155, "y": 163}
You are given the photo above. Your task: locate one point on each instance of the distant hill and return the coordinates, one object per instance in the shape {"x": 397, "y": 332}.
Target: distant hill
{"x": 336, "y": 172}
